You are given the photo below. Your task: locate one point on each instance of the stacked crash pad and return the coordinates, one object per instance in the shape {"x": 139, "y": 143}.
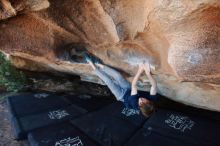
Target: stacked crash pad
{"x": 64, "y": 134}
{"x": 30, "y": 111}
{"x": 78, "y": 120}
{"x": 89, "y": 102}
{"x": 170, "y": 128}
{"x": 110, "y": 126}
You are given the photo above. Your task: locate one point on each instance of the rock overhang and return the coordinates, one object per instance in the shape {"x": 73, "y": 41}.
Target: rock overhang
{"x": 181, "y": 40}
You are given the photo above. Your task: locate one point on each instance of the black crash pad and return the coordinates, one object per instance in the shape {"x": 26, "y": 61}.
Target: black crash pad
{"x": 105, "y": 128}
{"x": 64, "y": 134}
{"x": 89, "y": 102}
{"x": 21, "y": 126}
{"x": 146, "y": 137}
{"x": 118, "y": 110}
{"x": 184, "y": 128}
{"x": 30, "y": 103}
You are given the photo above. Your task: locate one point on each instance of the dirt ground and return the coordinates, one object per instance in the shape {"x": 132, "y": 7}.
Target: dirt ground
{"x": 6, "y": 137}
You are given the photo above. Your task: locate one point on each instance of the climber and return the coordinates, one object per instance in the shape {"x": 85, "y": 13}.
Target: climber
{"x": 123, "y": 90}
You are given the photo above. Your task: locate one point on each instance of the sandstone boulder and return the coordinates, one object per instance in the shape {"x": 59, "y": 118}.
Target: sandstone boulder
{"x": 181, "y": 39}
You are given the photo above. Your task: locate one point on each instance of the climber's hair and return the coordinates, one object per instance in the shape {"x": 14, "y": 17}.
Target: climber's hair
{"x": 147, "y": 109}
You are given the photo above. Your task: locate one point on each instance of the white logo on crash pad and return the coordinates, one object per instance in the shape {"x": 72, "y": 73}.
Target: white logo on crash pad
{"x": 41, "y": 95}
{"x": 180, "y": 122}
{"x": 76, "y": 141}
{"x": 58, "y": 114}
{"x": 130, "y": 112}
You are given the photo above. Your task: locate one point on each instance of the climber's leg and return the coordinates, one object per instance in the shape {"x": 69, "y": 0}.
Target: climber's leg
{"x": 113, "y": 86}
{"x": 115, "y": 75}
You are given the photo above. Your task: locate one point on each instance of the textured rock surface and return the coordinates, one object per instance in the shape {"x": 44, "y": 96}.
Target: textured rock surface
{"x": 181, "y": 39}
{"x": 10, "y": 8}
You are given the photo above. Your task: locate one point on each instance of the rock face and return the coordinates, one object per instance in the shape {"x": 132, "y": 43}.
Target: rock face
{"x": 180, "y": 38}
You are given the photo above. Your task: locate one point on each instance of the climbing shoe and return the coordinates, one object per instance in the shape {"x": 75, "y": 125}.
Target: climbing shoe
{"x": 90, "y": 58}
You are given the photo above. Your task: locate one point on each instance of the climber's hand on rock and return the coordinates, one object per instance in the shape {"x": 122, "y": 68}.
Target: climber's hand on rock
{"x": 140, "y": 67}
{"x": 146, "y": 67}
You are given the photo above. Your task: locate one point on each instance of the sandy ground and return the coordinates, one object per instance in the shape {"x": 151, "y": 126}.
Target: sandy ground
{"x": 6, "y": 137}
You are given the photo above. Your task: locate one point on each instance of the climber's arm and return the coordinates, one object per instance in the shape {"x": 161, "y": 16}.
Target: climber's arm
{"x": 153, "y": 90}
{"x": 134, "y": 82}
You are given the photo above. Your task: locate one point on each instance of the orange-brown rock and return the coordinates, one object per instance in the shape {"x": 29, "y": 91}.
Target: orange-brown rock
{"x": 180, "y": 38}
{"x": 10, "y": 8}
